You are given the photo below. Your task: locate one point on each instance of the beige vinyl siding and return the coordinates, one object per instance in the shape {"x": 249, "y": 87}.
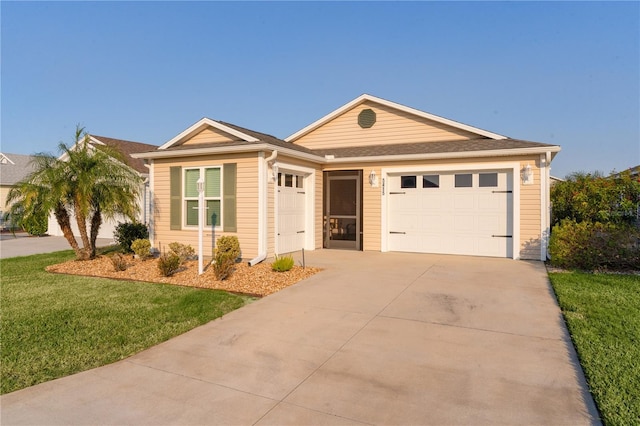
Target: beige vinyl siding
{"x": 247, "y": 203}
{"x": 530, "y": 220}
{"x": 391, "y": 127}
{"x": 210, "y": 135}
{"x": 4, "y": 191}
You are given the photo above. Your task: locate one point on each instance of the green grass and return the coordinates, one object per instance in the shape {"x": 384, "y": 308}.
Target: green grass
{"x": 602, "y": 312}
{"x": 56, "y": 325}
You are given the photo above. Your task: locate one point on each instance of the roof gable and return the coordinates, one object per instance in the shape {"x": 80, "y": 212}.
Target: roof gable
{"x": 417, "y": 126}
{"x": 16, "y": 168}
{"x": 126, "y": 148}
{"x": 209, "y": 128}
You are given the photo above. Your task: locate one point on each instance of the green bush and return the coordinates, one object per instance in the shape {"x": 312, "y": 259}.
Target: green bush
{"x": 36, "y": 224}
{"x": 168, "y": 264}
{"x": 282, "y": 264}
{"x": 228, "y": 244}
{"x": 183, "y": 251}
{"x": 592, "y": 197}
{"x": 225, "y": 255}
{"x": 127, "y": 233}
{"x": 594, "y": 245}
{"x": 142, "y": 248}
{"x": 119, "y": 262}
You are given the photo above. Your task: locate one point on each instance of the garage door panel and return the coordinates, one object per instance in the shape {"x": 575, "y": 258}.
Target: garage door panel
{"x": 452, "y": 220}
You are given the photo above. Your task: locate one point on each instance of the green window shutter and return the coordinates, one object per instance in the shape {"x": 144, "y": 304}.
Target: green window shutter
{"x": 175, "y": 209}
{"x": 229, "y": 197}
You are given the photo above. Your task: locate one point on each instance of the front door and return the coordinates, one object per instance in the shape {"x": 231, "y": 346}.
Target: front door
{"x": 343, "y": 225}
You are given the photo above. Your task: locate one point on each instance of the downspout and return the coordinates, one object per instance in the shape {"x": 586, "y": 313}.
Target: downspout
{"x": 547, "y": 176}
{"x": 263, "y": 206}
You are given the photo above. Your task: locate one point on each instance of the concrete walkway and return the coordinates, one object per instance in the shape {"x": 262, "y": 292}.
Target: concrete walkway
{"x": 24, "y": 245}
{"x": 376, "y": 338}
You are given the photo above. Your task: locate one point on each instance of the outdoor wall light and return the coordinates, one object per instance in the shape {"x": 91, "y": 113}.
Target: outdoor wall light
{"x": 373, "y": 179}
{"x": 526, "y": 175}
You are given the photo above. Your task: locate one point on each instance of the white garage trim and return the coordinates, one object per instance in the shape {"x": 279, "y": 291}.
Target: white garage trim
{"x": 309, "y": 188}
{"x": 514, "y": 167}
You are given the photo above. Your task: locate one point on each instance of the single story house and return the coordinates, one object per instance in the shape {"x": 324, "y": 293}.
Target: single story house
{"x": 126, "y": 148}
{"x": 13, "y": 169}
{"x": 371, "y": 175}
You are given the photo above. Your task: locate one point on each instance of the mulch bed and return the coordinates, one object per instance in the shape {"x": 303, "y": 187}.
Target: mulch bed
{"x": 258, "y": 280}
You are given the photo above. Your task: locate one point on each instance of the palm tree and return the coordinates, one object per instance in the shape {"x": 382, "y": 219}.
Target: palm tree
{"x": 90, "y": 183}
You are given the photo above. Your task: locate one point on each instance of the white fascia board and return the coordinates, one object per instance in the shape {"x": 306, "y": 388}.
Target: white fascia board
{"x": 365, "y": 97}
{"x": 203, "y": 123}
{"x": 229, "y": 150}
{"x": 443, "y": 155}
{"x": 93, "y": 139}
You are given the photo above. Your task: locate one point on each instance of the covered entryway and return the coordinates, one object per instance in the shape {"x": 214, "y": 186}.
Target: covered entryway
{"x": 465, "y": 212}
{"x": 291, "y": 212}
{"x": 343, "y": 209}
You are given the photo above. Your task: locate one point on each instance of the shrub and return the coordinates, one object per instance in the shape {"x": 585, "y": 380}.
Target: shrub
{"x": 228, "y": 244}
{"x": 225, "y": 255}
{"x": 593, "y": 245}
{"x": 282, "y": 264}
{"x": 142, "y": 248}
{"x": 183, "y": 251}
{"x": 126, "y": 233}
{"x": 36, "y": 224}
{"x": 119, "y": 262}
{"x": 168, "y": 264}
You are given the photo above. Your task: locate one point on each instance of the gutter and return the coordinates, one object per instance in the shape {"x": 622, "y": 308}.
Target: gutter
{"x": 262, "y": 206}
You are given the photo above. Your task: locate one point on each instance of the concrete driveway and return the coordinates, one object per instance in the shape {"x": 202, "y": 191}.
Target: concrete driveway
{"x": 376, "y": 338}
{"x": 21, "y": 244}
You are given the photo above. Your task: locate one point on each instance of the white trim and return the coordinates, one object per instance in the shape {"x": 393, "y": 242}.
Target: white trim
{"x": 514, "y": 167}
{"x": 152, "y": 216}
{"x": 4, "y": 157}
{"x": 203, "y": 124}
{"x": 309, "y": 204}
{"x": 445, "y": 155}
{"x": 365, "y": 97}
{"x": 545, "y": 204}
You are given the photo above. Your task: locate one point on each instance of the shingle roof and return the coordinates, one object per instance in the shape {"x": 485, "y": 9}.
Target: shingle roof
{"x": 127, "y": 148}
{"x": 480, "y": 144}
{"x": 10, "y": 174}
{"x": 484, "y": 144}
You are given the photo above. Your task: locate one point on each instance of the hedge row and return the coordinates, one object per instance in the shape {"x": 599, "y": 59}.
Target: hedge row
{"x": 594, "y": 245}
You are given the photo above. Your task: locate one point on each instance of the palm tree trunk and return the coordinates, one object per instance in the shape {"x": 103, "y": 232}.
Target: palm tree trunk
{"x": 81, "y": 220}
{"x": 96, "y": 221}
{"x": 62, "y": 217}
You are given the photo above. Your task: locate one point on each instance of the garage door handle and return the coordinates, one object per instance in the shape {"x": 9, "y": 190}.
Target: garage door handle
{"x": 300, "y": 232}
{"x": 397, "y": 193}
{"x": 502, "y": 192}
{"x": 397, "y": 232}
{"x": 301, "y": 192}
{"x": 502, "y": 236}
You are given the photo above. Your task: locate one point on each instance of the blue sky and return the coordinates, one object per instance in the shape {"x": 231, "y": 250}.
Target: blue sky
{"x": 566, "y": 73}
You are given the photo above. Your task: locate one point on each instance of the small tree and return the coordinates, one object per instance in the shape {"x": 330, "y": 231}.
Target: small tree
{"x": 91, "y": 182}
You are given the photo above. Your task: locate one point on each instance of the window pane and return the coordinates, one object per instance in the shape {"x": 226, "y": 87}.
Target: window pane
{"x": 288, "y": 180}
{"x": 213, "y": 212}
{"x": 192, "y": 212}
{"x": 299, "y": 182}
{"x": 431, "y": 181}
{"x": 191, "y": 182}
{"x": 464, "y": 181}
{"x": 407, "y": 181}
{"x": 488, "y": 179}
{"x": 279, "y": 179}
{"x": 212, "y": 182}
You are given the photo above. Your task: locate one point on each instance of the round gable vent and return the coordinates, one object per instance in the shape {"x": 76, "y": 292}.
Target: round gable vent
{"x": 366, "y": 118}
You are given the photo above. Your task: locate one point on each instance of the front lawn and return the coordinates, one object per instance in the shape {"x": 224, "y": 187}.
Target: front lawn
{"x": 602, "y": 312}
{"x": 55, "y": 325}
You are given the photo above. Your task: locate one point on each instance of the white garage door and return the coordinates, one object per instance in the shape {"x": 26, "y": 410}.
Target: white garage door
{"x": 463, "y": 212}
{"x": 291, "y": 212}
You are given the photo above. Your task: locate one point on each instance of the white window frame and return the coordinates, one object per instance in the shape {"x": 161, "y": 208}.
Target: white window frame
{"x": 201, "y": 170}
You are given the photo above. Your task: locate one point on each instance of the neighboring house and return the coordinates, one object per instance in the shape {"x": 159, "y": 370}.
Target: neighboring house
{"x": 13, "y": 169}
{"x": 126, "y": 148}
{"x": 371, "y": 175}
